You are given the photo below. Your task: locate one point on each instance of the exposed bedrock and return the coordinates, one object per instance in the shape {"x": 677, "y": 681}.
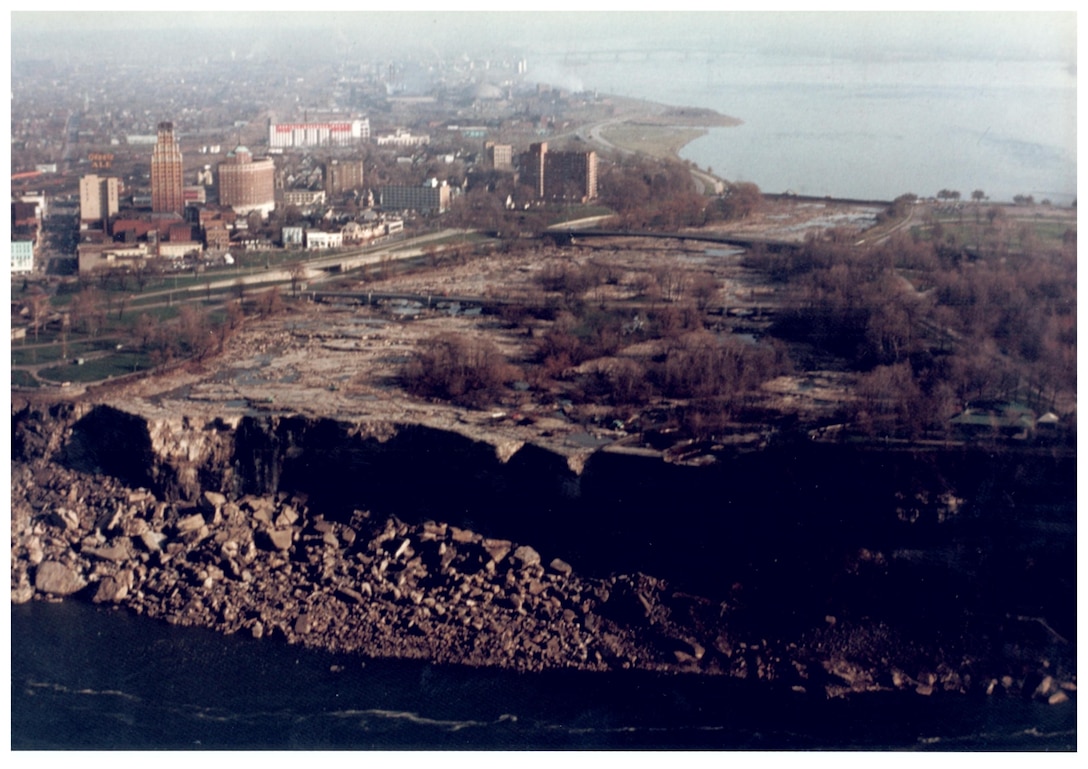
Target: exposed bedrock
{"x": 990, "y": 528}
{"x": 826, "y": 560}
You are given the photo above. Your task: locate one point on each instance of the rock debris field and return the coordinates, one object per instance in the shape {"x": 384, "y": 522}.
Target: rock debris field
{"x": 270, "y": 567}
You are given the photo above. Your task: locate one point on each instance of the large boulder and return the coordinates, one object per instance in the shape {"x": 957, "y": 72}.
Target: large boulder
{"x": 118, "y": 553}
{"x": 262, "y": 509}
{"x": 686, "y": 650}
{"x": 152, "y": 540}
{"x": 212, "y": 501}
{"x": 22, "y": 591}
{"x": 287, "y": 516}
{"x": 35, "y": 552}
{"x": 280, "y": 539}
{"x": 497, "y": 549}
{"x": 559, "y": 566}
{"x": 525, "y": 556}
{"x": 190, "y": 523}
{"x": 64, "y": 518}
{"x": 57, "y": 579}
{"x": 463, "y": 536}
{"x": 113, "y": 589}
{"x": 432, "y": 530}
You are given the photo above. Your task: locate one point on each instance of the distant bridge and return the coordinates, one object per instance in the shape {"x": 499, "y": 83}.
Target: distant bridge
{"x": 581, "y": 58}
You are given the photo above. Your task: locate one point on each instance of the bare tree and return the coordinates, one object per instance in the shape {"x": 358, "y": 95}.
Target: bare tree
{"x": 297, "y": 271}
{"x": 87, "y": 311}
{"x": 741, "y": 200}
{"x": 37, "y": 303}
{"x": 144, "y": 329}
{"x": 703, "y": 289}
{"x": 270, "y": 302}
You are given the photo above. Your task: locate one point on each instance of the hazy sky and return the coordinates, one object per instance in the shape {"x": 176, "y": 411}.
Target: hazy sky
{"x": 970, "y": 34}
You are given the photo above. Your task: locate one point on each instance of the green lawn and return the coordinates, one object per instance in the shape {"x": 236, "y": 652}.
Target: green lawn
{"x": 113, "y": 365}
{"x": 159, "y": 313}
{"x": 20, "y": 378}
{"x": 1053, "y": 231}
{"x": 29, "y": 356}
{"x": 35, "y": 355}
{"x": 1048, "y": 234}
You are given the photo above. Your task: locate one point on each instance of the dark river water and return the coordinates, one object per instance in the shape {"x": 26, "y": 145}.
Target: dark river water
{"x": 86, "y": 678}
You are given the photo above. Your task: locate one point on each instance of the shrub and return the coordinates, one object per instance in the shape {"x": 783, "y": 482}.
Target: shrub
{"x": 453, "y": 367}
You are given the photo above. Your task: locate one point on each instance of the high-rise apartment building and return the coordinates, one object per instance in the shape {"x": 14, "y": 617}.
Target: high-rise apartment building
{"x": 500, "y": 157}
{"x": 343, "y": 175}
{"x": 532, "y": 167}
{"x": 99, "y": 197}
{"x": 430, "y": 198}
{"x": 167, "y": 190}
{"x": 570, "y": 175}
{"x": 247, "y": 185}
{"x": 559, "y": 175}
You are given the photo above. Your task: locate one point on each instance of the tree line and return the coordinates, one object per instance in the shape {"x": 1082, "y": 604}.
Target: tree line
{"x": 929, "y": 327}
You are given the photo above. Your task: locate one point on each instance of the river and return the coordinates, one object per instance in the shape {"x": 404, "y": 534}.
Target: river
{"x": 860, "y": 128}
{"x": 99, "y": 679}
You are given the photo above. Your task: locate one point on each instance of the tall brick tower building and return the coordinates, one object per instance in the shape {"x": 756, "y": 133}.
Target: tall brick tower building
{"x": 167, "y": 192}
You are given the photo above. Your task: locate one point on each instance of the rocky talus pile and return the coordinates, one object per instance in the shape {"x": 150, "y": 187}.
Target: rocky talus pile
{"x": 271, "y": 567}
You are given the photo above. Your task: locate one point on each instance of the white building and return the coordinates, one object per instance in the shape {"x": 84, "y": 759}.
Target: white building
{"x": 304, "y": 199}
{"x": 357, "y": 232}
{"x": 180, "y": 249}
{"x": 22, "y": 256}
{"x": 99, "y": 198}
{"x": 292, "y": 236}
{"x": 332, "y": 134}
{"x": 317, "y": 239}
{"x": 403, "y": 138}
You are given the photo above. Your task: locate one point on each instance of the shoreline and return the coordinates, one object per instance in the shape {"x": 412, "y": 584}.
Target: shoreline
{"x": 662, "y": 142}
{"x": 666, "y": 119}
{"x": 393, "y": 704}
{"x": 667, "y": 130}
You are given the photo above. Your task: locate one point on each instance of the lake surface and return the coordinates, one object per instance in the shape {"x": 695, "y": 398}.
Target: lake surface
{"x": 864, "y": 129}
{"x": 95, "y": 679}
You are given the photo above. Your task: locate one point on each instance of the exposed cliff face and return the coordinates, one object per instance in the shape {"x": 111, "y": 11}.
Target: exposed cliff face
{"x": 756, "y": 518}
{"x": 170, "y": 454}
{"x": 409, "y": 467}
{"x": 911, "y": 546}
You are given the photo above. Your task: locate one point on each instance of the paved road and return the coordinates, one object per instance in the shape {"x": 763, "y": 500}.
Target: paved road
{"x": 316, "y": 268}
{"x": 898, "y": 227}
{"x": 708, "y": 184}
